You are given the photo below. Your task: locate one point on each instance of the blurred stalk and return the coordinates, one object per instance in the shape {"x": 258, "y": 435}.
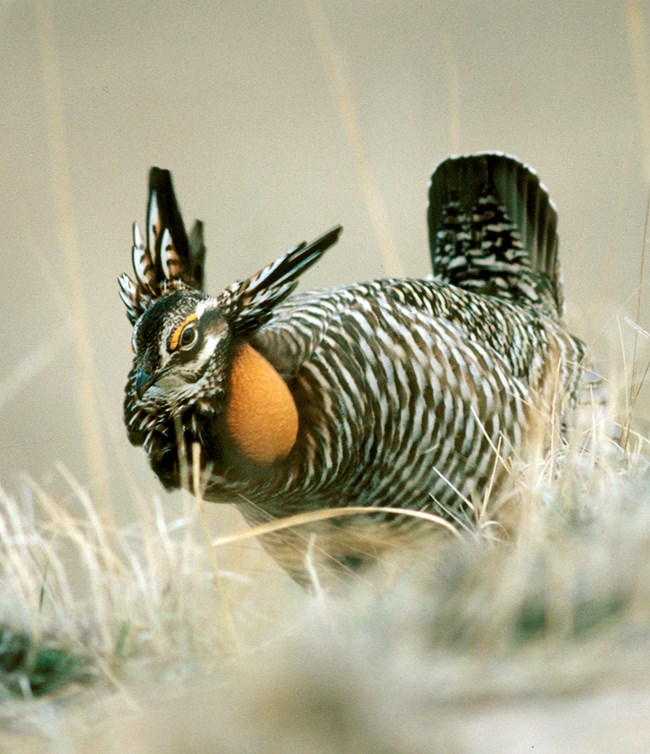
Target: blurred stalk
{"x": 67, "y": 238}
{"x": 454, "y": 93}
{"x": 338, "y": 79}
{"x": 637, "y": 37}
{"x": 636, "y": 31}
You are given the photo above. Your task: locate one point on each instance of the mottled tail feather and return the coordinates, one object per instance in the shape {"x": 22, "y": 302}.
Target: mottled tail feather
{"x": 493, "y": 230}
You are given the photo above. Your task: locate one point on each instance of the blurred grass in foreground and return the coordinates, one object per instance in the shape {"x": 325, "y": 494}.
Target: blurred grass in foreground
{"x": 134, "y": 633}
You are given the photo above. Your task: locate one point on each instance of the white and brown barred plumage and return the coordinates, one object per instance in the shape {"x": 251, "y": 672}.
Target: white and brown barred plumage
{"x": 403, "y": 393}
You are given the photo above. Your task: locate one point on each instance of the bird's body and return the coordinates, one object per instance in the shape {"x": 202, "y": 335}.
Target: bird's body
{"x": 414, "y": 394}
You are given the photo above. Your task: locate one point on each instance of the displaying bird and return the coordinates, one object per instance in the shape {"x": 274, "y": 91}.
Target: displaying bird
{"x": 419, "y": 394}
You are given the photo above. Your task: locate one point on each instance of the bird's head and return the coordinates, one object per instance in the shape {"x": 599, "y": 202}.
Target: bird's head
{"x": 181, "y": 350}
{"x": 190, "y": 349}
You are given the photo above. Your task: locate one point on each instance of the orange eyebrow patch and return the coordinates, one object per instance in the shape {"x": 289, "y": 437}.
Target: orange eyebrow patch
{"x": 176, "y": 335}
{"x": 261, "y": 415}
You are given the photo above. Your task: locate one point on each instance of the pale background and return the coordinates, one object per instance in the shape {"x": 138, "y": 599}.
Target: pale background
{"x": 278, "y": 120}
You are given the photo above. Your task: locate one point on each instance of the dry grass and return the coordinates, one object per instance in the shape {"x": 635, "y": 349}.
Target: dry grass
{"x": 114, "y": 636}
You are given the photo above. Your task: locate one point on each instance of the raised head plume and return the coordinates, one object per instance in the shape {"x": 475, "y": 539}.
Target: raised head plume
{"x": 249, "y": 303}
{"x": 169, "y": 260}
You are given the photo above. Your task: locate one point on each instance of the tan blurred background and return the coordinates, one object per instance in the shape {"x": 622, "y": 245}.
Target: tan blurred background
{"x": 279, "y": 120}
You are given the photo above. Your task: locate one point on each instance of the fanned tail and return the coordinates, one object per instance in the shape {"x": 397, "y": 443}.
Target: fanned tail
{"x": 493, "y": 230}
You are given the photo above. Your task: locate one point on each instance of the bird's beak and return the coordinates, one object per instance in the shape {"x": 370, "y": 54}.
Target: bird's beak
{"x": 144, "y": 380}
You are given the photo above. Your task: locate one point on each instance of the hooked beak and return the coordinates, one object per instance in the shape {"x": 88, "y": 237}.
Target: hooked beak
{"x": 144, "y": 380}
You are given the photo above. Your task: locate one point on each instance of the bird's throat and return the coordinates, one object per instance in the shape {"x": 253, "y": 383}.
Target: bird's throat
{"x": 261, "y": 415}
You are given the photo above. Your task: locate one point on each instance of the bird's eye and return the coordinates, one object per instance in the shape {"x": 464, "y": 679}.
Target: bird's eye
{"x": 188, "y": 338}
{"x": 185, "y": 335}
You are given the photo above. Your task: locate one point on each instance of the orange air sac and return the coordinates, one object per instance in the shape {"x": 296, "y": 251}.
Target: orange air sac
{"x": 261, "y": 415}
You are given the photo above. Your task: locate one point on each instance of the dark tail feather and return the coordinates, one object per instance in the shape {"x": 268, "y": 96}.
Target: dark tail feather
{"x": 493, "y": 230}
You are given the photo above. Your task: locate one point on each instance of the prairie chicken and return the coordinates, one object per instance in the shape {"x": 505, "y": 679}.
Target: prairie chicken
{"x": 398, "y": 393}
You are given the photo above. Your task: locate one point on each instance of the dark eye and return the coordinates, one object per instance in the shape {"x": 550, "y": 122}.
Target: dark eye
{"x": 188, "y": 338}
